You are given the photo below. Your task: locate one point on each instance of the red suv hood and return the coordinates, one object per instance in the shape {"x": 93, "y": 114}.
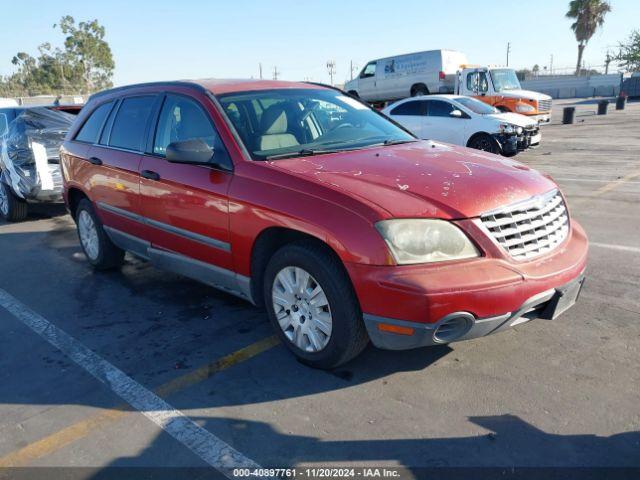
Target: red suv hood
{"x": 423, "y": 179}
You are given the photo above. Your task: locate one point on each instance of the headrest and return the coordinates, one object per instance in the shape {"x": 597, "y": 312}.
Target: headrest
{"x": 274, "y": 120}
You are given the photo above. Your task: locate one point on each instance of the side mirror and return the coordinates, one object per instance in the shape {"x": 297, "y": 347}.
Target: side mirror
{"x": 194, "y": 151}
{"x": 456, "y": 113}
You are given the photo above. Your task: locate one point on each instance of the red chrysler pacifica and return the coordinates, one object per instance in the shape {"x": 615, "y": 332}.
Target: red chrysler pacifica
{"x": 302, "y": 199}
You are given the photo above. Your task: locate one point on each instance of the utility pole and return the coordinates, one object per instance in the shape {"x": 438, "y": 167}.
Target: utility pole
{"x": 607, "y": 61}
{"x": 331, "y": 68}
{"x": 352, "y": 68}
{"x": 260, "y": 69}
{"x": 275, "y": 73}
{"x": 551, "y": 65}
{"x": 508, "y": 51}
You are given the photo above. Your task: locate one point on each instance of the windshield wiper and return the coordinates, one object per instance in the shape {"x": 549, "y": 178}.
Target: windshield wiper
{"x": 397, "y": 142}
{"x": 305, "y": 152}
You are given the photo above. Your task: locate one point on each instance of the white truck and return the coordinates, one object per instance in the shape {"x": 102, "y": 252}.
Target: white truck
{"x": 500, "y": 88}
{"x": 412, "y": 74}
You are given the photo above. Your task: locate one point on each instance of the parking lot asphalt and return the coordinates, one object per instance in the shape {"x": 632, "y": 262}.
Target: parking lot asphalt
{"x": 550, "y": 393}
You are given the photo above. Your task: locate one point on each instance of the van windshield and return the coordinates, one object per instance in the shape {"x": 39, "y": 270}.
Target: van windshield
{"x": 286, "y": 123}
{"x": 505, "y": 79}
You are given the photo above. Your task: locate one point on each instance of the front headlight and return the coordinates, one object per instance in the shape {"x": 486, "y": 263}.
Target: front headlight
{"x": 523, "y": 108}
{"x": 425, "y": 241}
{"x": 507, "y": 128}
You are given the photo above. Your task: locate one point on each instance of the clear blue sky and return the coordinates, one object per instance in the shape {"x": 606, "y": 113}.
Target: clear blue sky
{"x": 159, "y": 40}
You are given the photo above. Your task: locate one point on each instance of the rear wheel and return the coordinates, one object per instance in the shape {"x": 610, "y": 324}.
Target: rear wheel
{"x": 484, "y": 142}
{"x": 419, "y": 90}
{"x": 353, "y": 93}
{"x": 312, "y": 306}
{"x": 12, "y": 208}
{"x": 97, "y": 246}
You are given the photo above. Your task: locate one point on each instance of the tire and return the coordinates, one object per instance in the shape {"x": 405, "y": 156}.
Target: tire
{"x": 509, "y": 154}
{"x": 419, "y": 90}
{"x": 503, "y": 109}
{"x": 333, "y": 346}
{"x": 353, "y": 93}
{"x": 12, "y": 208}
{"x": 484, "y": 142}
{"x": 96, "y": 245}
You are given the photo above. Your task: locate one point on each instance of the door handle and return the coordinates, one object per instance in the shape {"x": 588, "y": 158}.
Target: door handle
{"x": 95, "y": 161}
{"x": 151, "y": 175}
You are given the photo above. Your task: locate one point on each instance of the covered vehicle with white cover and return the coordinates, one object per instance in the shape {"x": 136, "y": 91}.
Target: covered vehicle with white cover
{"x": 466, "y": 121}
{"x": 30, "y": 159}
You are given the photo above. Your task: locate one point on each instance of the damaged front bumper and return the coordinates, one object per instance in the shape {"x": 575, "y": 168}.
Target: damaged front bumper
{"x": 393, "y": 334}
{"x": 508, "y": 143}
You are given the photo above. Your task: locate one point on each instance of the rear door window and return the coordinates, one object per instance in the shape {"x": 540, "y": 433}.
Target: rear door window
{"x": 130, "y": 124}
{"x": 409, "y": 108}
{"x": 438, "y": 108}
{"x": 92, "y": 127}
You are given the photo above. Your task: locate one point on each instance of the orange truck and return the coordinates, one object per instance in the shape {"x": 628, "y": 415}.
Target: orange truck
{"x": 500, "y": 87}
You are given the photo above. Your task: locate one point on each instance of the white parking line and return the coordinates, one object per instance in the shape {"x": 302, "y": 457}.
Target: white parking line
{"x": 622, "y": 248}
{"x": 203, "y": 443}
{"x": 590, "y": 180}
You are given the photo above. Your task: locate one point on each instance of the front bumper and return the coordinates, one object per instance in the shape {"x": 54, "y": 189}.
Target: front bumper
{"x": 508, "y": 142}
{"x": 491, "y": 291}
{"x": 459, "y": 326}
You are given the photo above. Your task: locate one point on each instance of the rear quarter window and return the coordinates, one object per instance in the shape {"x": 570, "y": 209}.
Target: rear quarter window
{"x": 92, "y": 127}
{"x": 130, "y": 124}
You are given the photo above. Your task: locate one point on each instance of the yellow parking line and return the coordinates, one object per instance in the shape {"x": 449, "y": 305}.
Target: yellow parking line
{"x": 73, "y": 433}
{"x": 609, "y": 186}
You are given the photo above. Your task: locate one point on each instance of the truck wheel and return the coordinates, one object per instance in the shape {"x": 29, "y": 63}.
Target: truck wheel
{"x": 503, "y": 109}
{"x": 97, "y": 246}
{"x": 12, "y": 208}
{"x": 312, "y": 306}
{"x": 419, "y": 90}
{"x": 484, "y": 142}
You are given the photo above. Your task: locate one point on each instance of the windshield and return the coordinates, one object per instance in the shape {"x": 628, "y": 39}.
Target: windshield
{"x": 290, "y": 122}
{"x": 476, "y": 106}
{"x": 505, "y": 79}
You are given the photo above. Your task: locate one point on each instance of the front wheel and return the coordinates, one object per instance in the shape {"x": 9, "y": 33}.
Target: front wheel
{"x": 312, "y": 306}
{"x": 97, "y": 246}
{"x": 484, "y": 142}
{"x": 12, "y": 208}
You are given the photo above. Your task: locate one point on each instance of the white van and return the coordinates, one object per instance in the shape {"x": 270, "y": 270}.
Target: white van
{"x": 413, "y": 74}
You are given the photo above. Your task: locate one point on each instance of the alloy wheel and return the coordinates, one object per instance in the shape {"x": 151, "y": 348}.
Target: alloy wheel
{"x": 302, "y": 309}
{"x": 88, "y": 235}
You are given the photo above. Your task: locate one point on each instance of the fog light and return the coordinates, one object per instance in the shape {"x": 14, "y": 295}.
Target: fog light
{"x": 454, "y": 327}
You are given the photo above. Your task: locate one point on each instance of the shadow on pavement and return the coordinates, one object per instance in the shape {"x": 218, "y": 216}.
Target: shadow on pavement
{"x": 509, "y": 442}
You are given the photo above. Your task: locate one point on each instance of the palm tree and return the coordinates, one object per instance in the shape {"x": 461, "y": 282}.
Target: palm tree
{"x": 588, "y": 15}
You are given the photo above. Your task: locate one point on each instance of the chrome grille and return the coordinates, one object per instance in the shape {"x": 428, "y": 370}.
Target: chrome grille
{"x": 530, "y": 228}
{"x": 544, "y": 105}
